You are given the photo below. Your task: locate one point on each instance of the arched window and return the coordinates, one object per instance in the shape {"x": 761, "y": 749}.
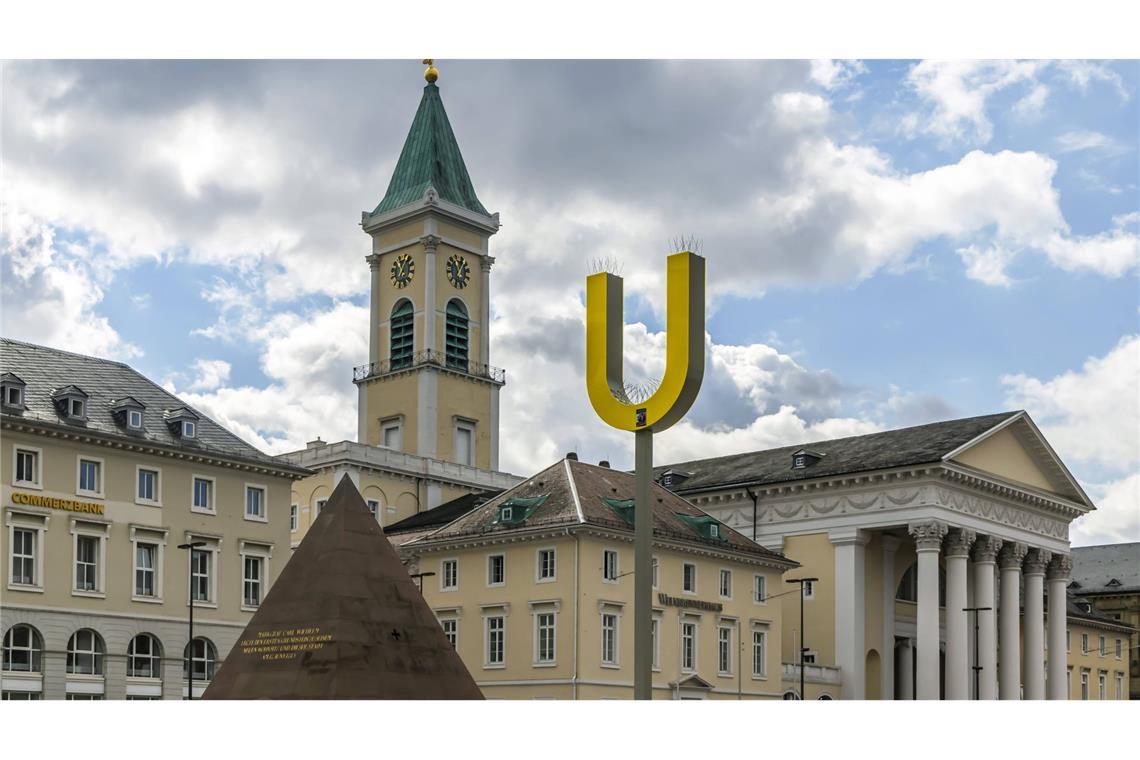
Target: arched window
{"x": 908, "y": 586}
{"x": 22, "y": 649}
{"x": 457, "y": 335}
{"x": 85, "y": 653}
{"x": 204, "y": 660}
{"x": 790, "y": 695}
{"x": 401, "y": 330}
{"x": 144, "y": 657}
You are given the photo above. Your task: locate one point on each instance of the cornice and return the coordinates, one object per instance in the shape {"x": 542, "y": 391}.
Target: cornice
{"x": 98, "y": 438}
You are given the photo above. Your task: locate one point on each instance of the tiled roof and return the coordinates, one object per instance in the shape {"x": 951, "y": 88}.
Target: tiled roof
{"x": 1096, "y": 567}
{"x": 430, "y": 158}
{"x": 840, "y": 456}
{"x": 106, "y": 383}
{"x": 576, "y": 494}
{"x": 441, "y": 515}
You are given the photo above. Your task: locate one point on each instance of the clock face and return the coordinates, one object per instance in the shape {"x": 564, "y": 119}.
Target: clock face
{"x": 403, "y": 268}
{"x": 458, "y": 271}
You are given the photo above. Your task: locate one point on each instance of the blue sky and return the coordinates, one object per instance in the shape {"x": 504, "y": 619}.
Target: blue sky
{"x": 888, "y": 242}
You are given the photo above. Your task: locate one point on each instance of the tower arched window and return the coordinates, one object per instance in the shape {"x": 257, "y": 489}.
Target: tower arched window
{"x": 457, "y": 335}
{"x": 402, "y": 334}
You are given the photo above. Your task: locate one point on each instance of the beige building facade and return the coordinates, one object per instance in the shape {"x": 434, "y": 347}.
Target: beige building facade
{"x": 905, "y": 530}
{"x": 535, "y": 590}
{"x": 102, "y": 475}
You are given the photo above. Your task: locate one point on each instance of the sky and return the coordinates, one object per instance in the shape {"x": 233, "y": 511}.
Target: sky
{"x": 888, "y": 242}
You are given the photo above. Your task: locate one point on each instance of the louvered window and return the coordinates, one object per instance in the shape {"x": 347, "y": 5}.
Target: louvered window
{"x": 457, "y": 334}
{"x": 402, "y": 333}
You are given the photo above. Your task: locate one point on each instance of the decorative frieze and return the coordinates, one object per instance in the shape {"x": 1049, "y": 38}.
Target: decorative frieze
{"x": 1060, "y": 567}
{"x": 1011, "y": 555}
{"x": 928, "y": 535}
{"x": 958, "y": 542}
{"x": 1036, "y": 560}
{"x": 986, "y": 549}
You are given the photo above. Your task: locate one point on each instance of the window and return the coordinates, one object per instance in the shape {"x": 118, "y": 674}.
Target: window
{"x": 254, "y": 503}
{"x": 401, "y": 335}
{"x": 13, "y": 395}
{"x": 134, "y": 419}
{"x": 609, "y": 639}
{"x": 203, "y": 494}
{"x": 86, "y": 563}
{"x": 1100, "y": 690}
{"x": 759, "y": 592}
{"x": 759, "y": 653}
{"x": 610, "y": 565}
{"x": 1084, "y": 643}
{"x": 724, "y": 650}
{"x": 321, "y": 505}
{"x": 496, "y": 570}
{"x": 188, "y": 429}
{"x": 546, "y": 565}
{"x": 253, "y": 576}
{"x": 1120, "y": 686}
{"x": 688, "y": 646}
{"x": 20, "y": 696}
{"x": 456, "y": 338}
{"x": 809, "y": 658}
{"x": 144, "y": 657}
{"x": 1118, "y": 649}
{"x": 726, "y": 584}
{"x": 292, "y": 518}
{"x": 1069, "y": 683}
{"x": 689, "y": 578}
{"x": 451, "y": 631}
{"x": 148, "y": 486}
{"x": 75, "y": 408}
{"x": 201, "y": 656}
{"x": 714, "y": 530}
{"x": 1084, "y": 684}
{"x": 90, "y": 477}
{"x": 655, "y": 643}
{"x": 495, "y": 640}
{"x": 200, "y": 583}
{"x": 809, "y": 589}
{"x": 27, "y": 467}
{"x": 1103, "y": 651}
{"x": 85, "y": 653}
{"x": 464, "y": 443}
{"x": 146, "y": 560}
{"x": 1068, "y": 640}
{"x": 24, "y": 556}
{"x": 654, "y": 566}
{"x": 373, "y": 507}
{"x": 79, "y": 697}
{"x": 390, "y": 434}
{"x": 23, "y": 648}
{"x": 544, "y": 638}
{"x": 449, "y": 574}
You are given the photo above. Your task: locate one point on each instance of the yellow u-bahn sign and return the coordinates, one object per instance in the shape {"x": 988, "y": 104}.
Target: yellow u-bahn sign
{"x": 52, "y": 502}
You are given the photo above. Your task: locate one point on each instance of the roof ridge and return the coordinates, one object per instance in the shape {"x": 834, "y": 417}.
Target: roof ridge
{"x": 42, "y": 347}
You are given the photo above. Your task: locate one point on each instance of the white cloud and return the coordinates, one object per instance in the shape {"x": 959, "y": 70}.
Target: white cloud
{"x": 1117, "y": 517}
{"x": 210, "y": 374}
{"x": 1030, "y": 106}
{"x": 1085, "y": 139}
{"x": 987, "y": 264}
{"x": 832, "y": 74}
{"x": 1092, "y": 414}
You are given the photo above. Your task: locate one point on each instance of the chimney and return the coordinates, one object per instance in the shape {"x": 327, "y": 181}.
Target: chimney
{"x": 604, "y": 463}
{"x": 572, "y": 455}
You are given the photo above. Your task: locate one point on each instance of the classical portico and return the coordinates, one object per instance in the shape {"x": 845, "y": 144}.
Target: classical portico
{"x": 907, "y": 546}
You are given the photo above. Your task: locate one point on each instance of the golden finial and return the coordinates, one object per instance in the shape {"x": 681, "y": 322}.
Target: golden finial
{"x": 432, "y": 72}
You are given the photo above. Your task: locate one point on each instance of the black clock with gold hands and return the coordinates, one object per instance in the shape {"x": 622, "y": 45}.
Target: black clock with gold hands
{"x": 403, "y": 268}
{"x": 458, "y": 271}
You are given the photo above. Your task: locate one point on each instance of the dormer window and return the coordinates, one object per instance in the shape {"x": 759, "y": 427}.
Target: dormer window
{"x": 708, "y": 527}
{"x": 182, "y": 422}
{"x": 128, "y": 412}
{"x": 188, "y": 429}
{"x": 12, "y": 391}
{"x": 505, "y": 515}
{"x": 71, "y": 403}
{"x": 134, "y": 419}
{"x": 804, "y": 458}
{"x": 671, "y": 479}
{"x": 1113, "y": 582}
{"x": 714, "y": 531}
{"x": 516, "y": 511}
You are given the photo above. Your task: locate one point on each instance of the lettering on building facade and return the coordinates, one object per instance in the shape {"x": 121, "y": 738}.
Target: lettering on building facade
{"x": 52, "y": 502}
{"x": 284, "y": 643}
{"x": 696, "y": 604}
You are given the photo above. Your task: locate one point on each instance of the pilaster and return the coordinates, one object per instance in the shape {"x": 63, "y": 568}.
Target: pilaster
{"x": 431, "y": 307}
{"x": 850, "y": 608}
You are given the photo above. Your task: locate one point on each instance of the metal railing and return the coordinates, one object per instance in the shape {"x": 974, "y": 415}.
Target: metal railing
{"x": 433, "y": 358}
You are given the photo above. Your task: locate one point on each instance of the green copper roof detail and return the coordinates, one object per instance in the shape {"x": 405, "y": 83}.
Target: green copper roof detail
{"x": 430, "y": 158}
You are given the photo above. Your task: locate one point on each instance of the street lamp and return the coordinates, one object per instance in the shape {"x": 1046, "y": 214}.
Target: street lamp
{"x": 190, "y": 648}
{"x": 803, "y": 648}
{"x": 977, "y": 668}
{"x": 420, "y": 579}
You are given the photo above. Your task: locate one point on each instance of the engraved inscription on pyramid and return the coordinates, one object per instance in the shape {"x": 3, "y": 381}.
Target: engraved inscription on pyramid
{"x": 343, "y": 621}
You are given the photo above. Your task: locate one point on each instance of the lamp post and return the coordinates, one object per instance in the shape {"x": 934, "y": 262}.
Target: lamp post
{"x": 420, "y": 579}
{"x": 977, "y": 668}
{"x": 190, "y": 647}
{"x": 803, "y": 648}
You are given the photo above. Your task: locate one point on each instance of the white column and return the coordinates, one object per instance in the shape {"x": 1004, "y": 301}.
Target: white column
{"x": 971, "y": 648}
{"x": 374, "y": 309}
{"x": 928, "y": 542}
{"x": 906, "y": 670}
{"x": 1058, "y": 574}
{"x": 958, "y": 544}
{"x": 985, "y": 558}
{"x": 887, "y": 685}
{"x": 485, "y": 311}
{"x": 850, "y": 605}
{"x": 430, "y": 341}
{"x": 1034, "y": 621}
{"x": 1009, "y": 621}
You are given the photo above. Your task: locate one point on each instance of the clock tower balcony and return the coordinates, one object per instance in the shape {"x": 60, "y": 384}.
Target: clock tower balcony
{"x": 428, "y": 358}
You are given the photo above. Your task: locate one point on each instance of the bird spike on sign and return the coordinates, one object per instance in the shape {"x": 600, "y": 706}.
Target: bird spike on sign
{"x": 684, "y": 348}
{"x": 684, "y": 370}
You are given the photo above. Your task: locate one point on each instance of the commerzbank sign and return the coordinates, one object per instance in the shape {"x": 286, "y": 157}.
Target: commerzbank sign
{"x": 52, "y": 502}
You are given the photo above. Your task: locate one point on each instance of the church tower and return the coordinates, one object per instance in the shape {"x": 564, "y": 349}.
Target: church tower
{"x": 428, "y": 388}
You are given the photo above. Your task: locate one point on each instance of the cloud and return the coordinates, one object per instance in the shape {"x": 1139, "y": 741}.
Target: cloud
{"x": 1086, "y": 139}
{"x": 833, "y": 74}
{"x": 210, "y": 374}
{"x": 987, "y": 264}
{"x": 1117, "y": 517}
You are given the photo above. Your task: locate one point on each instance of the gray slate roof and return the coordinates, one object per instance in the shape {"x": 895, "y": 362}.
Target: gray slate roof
{"x": 1095, "y": 567}
{"x": 105, "y": 382}
{"x": 905, "y": 447}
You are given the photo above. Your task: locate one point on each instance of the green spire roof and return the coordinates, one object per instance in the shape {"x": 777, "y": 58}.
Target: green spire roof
{"x": 430, "y": 157}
